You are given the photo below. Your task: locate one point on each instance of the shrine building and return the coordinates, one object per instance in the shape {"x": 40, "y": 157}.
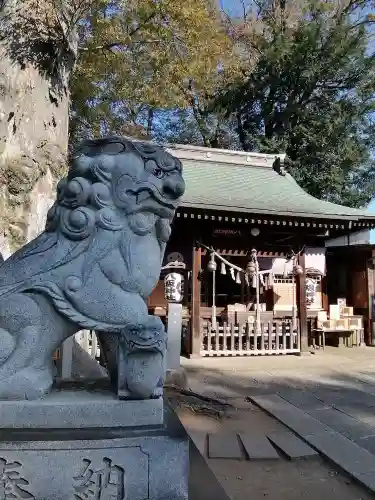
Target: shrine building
{"x": 266, "y": 268}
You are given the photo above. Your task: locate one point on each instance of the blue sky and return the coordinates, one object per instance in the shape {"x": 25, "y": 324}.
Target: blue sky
{"x": 233, "y": 7}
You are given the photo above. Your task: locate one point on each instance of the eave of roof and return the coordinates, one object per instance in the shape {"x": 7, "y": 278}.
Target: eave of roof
{"x": 241, "y": 182}
{"x": 259, "y": 211}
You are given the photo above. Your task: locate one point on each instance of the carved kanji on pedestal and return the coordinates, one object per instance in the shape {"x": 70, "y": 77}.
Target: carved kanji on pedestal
{"x": 105, "y": 483}
{"x": 13, "y": 485}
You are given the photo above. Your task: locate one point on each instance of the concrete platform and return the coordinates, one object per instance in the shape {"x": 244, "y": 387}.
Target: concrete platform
{"x": 80, "y": 409}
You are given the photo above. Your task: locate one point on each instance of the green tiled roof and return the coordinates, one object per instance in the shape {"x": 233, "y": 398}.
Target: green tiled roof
{"x": 257, "y": 190}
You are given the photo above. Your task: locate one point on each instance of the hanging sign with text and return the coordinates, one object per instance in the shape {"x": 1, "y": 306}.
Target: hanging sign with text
{"x": 228, "y": 233}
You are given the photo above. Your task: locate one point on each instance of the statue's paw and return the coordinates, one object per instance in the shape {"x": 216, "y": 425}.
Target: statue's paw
{"x": 7, "y": 345}
{"x": 158, "y": 393}
{"x": 27, "y": 384}
{"x": 159, "y": 389}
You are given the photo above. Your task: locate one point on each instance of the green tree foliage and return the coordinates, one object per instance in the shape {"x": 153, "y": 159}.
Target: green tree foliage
{"x": 311, "y": 95}
{"x": 294, "y": 76}
{"x": 139, "y": 57}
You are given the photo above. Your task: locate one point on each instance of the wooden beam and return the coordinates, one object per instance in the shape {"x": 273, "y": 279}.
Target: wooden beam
{"x": 195, "y": 333}
{"x": 302, "y": 306}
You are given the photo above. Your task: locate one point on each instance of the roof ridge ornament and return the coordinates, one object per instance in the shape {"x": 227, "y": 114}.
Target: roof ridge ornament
{"x": 278, "y": 166}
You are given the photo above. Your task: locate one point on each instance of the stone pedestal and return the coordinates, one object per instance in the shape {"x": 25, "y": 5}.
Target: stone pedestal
{"x": 174, "y": 336}
{"x": 77, "y": 445}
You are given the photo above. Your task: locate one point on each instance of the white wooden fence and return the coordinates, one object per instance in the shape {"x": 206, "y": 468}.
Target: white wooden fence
{"x": 273, "y": 337}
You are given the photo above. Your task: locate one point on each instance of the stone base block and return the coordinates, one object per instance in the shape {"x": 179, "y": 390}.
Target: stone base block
{"x": 118, "y": 460}
{"x": 132, "y": 468}
{"x": 80, "y": 409}
{"x": 81, "y": 445}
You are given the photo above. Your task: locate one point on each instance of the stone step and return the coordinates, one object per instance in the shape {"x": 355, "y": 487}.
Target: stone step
{"x": 291, "y": 445}
{"x": 258, "y": 447}
{"x": 355, "y": 461}
{"x": 292, "y": 417}
{"x": 224, "y": 446}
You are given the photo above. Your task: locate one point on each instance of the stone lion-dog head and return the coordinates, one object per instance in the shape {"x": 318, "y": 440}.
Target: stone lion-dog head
{"x": 113, "y": 177}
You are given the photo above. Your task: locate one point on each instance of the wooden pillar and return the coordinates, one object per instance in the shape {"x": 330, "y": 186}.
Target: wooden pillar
{"x": 302, "y": 306}
{"x": 371, "y": 299}
{"x": 195, "y": 332}
{"x": 324, "y": 291}
{"x": 242, "y": 289}
{"x": 243, "y": 264}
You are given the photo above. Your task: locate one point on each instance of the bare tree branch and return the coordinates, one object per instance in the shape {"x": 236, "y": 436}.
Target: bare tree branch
{"x": 125, "y": 43}
{"x": 112, "y": 45}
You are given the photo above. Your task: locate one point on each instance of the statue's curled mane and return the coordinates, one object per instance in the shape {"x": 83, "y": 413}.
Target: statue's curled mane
{"x": 85, "y": 197}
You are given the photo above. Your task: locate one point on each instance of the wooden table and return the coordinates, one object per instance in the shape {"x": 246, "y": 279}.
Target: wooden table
{"x": 344, "y": 335}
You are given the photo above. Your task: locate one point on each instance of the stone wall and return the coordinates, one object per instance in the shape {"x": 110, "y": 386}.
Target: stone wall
{"x": 31, "y": 216}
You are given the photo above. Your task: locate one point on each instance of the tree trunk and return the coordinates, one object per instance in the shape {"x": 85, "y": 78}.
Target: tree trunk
{"x": 37, "y": 54}
{"x": 150, "y": 121}
{"x": 242, "y": 136}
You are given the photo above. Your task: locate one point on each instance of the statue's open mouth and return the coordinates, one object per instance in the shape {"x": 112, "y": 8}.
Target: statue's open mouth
{"x": 152, "y": 201}
{"x": 151, "y": 345}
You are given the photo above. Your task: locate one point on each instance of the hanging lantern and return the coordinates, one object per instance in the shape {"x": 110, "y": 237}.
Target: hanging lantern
{"x": 251, "y": 268}
{"x": 223, "y": 268}
{"x": 174, "y": 287}
{"x": 212, "y": 266}
{"x": 298, "y": 271}
{"x": 238, "y": 278}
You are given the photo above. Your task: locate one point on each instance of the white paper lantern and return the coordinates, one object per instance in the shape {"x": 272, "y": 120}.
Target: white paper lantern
{"x": 174, "y": 287}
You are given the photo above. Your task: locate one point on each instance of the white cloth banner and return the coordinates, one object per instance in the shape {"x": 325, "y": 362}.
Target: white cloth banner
{"x": 282, "y": 267}
{"x": 315, "y": 258}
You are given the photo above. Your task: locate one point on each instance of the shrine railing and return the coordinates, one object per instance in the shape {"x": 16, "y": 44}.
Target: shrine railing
{"x": 273, "y": 338}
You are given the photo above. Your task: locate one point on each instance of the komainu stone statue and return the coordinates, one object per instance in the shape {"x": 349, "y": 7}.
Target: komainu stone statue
{"x": 93, "y": 267}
